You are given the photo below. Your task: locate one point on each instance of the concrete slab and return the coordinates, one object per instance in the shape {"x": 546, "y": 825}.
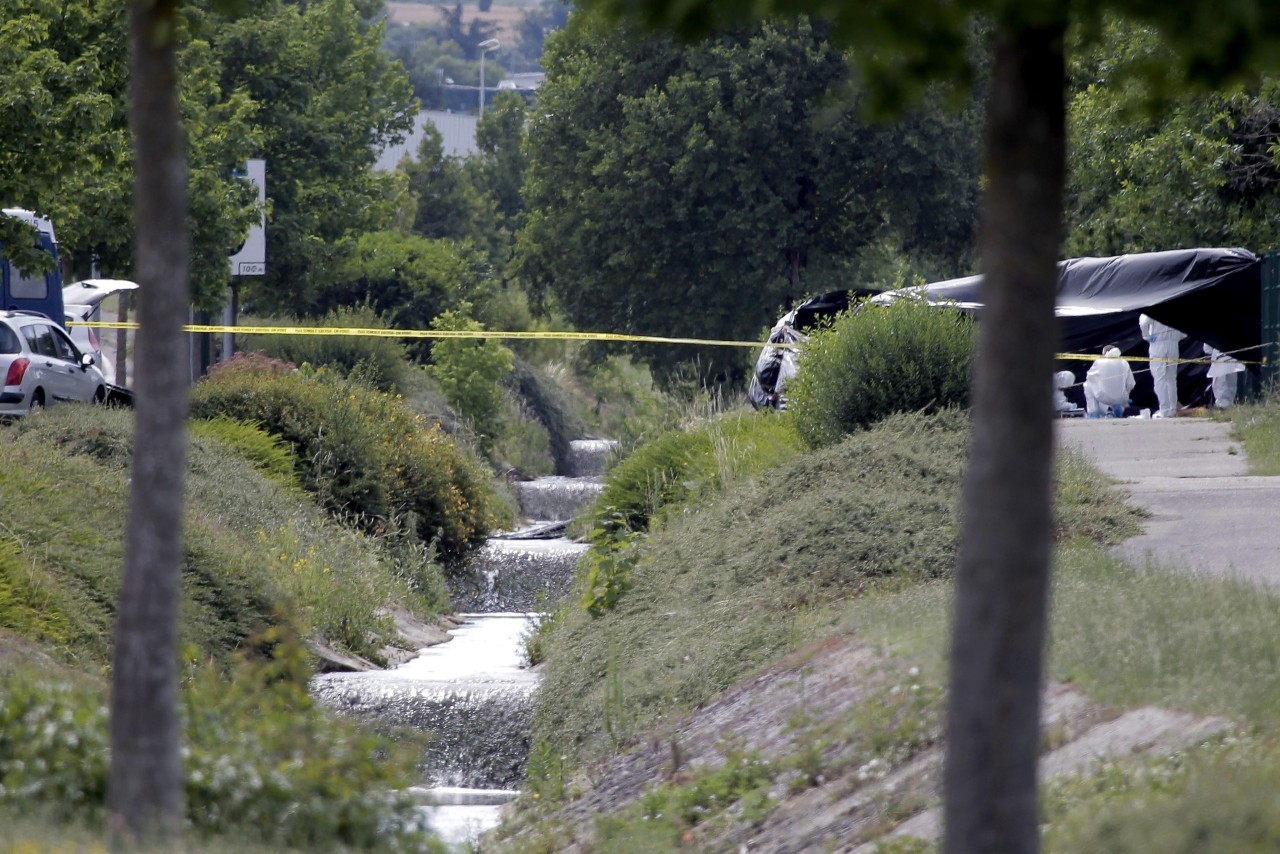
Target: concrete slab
{"x": 1207, "y": 513}
{"x": 1126, "y": 448}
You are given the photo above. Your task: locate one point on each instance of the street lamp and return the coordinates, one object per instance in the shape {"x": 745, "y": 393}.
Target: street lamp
{"x": 485, "y": 46}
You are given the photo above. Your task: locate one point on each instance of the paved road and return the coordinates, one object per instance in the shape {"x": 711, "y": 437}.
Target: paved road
{"x": 1207, "y": 513}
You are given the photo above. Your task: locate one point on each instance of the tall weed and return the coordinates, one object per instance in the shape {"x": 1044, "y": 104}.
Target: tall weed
{"x": 378, "y": 361}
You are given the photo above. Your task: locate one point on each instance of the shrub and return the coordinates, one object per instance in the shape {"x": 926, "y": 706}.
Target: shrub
{"x": 680, "y": 464}
{"x": 364, "y": 453}
{"x": 261, "y": 759}
{"x": 525, "y": 446}
{"x": 471, "y": 371}
{"x": 381, "y": 362}
{"x": 545, "y": 398}
{"x": 668, "y": 471}
{"x": 877, "y": 360}
{"x": 266, "y": 453}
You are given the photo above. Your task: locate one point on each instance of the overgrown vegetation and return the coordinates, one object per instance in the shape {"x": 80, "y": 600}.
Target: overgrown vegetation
{"x": 262, "y": 760}
{"x": 254, "y": 545}
{"x": 874, "y": 361}
{"x": 381, "y": 362}
{"x": 878, "y": 508}
{"x": 823, "y": 544}
{"x": 364, "y": 454}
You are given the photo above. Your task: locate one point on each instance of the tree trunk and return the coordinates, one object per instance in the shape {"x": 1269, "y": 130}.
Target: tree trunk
{"x": 145, "y": 789}
{"x": 1002, "y": 575}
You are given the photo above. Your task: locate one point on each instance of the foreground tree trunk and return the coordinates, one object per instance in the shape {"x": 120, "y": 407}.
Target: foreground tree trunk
{"x": 1003, "y": 567}
{"x": 145, "y": 788}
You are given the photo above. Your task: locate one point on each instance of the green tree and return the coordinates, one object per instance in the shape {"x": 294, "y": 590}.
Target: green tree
{"x": 63, "y": 78}
{"x": 1202, "y": 171}
{"x": 692, "y": 190}
{"x": 1003, "y": 567}
{"x": 471, "y": 372}
{"x": 410, "y": 280}
{"x": 448, "y": 205}
{"x": 499, "y": 169}
{"x": 328, "y": 98}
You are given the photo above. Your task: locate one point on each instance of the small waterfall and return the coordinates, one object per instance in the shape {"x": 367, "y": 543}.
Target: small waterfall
{"x": 475, "y": 694}
{"x": 588, "y": 457}
{"x": 555, "y": 498}
{"x": 518, "y": 575}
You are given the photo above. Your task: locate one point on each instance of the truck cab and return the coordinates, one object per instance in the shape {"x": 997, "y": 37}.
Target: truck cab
{"x": 42, "y": 291}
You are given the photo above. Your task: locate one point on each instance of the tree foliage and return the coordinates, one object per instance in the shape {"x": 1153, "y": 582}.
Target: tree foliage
{"x": 328, "y": 98}
{"x": 691, "y": 190}
{"x": 67, "y": 152}
{"x": 1201, "y": 170}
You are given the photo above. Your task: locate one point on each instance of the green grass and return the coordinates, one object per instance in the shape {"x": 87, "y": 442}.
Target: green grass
{"x": 828, "y": 544}
{"x": 254, "y": 546}
{"x": 1257, "y": 425}
{"x": 731, "y": 583}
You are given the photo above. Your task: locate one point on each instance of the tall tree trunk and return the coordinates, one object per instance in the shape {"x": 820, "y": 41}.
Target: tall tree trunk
{"x": 1003, "y": 567}
{"x": 145, "y": 789}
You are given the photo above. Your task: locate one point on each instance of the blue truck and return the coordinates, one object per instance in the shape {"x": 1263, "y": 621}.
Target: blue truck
{"x": 40, "y": 291}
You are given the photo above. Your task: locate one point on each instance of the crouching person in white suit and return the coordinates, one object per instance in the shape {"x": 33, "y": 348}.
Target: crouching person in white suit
{"x": 1107, "y": 385}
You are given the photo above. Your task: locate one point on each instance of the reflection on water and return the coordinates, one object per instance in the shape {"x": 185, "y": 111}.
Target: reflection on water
{"x": 459, "y": 816}
{"x": 473, "y": 694}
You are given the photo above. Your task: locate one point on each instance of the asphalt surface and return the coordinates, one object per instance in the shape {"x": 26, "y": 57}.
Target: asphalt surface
{"x": 1207, "y": 513}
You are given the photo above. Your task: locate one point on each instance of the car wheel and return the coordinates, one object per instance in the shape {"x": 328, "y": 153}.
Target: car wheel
{"x": 100, "y": 396}
{"x": 37, "y": 400}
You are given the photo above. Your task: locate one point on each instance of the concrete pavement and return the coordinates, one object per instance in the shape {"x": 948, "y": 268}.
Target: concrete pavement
{"x": 1207, "y": 513}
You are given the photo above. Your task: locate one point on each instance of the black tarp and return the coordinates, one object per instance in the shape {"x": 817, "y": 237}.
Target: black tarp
{"x": 1214, "y": 296}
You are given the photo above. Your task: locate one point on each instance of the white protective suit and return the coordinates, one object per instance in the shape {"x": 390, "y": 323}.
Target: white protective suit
{"x": 1107, "y": 385}
{"x": 1062, "y": 381}
{"x": 1163, "y": 344}
{"x": 1222, "y": 377}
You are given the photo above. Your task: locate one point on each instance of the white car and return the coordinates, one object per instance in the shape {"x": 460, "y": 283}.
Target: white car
{"x": 81, "y": 302}
{"x": 42, "y": 366}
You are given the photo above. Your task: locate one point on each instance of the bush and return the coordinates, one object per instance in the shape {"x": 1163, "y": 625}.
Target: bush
{"x": 261, "y": 759}
{"x": 365, "y": 454}
{"x": 671, "y": 470}
{"x": 680, "y": 464}
{"x": 381, "y": 362}
{"x": 471, "y": 371}
{"x": 877, "y": 360}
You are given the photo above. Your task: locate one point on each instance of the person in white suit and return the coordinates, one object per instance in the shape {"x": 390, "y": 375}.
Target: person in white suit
{"x": 1162, "y": 344}
{"x": 1222, "y": 377}
{"x": 1107, "y": 385}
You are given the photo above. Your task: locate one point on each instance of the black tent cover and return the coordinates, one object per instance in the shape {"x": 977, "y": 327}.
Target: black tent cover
{"x": 1214, "y": 296}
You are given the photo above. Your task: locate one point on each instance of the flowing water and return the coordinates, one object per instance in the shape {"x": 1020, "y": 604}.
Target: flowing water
{"x": 475, "y": 694}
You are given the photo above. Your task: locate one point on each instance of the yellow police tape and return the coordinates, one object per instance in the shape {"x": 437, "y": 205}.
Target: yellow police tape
{"x": 445, "y": 333}
{"x": 541, "y": 336}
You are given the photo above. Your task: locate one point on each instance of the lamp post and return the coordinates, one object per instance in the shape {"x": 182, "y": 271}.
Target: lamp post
{"x": 485, "y": 46}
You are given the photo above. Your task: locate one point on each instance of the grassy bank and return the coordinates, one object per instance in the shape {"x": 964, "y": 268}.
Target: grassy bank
{"x": 727, "y": 586}
{"x": 256, "y": 546}
{"x": 265, "y": 571}
{"x": 858, "y": 541}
